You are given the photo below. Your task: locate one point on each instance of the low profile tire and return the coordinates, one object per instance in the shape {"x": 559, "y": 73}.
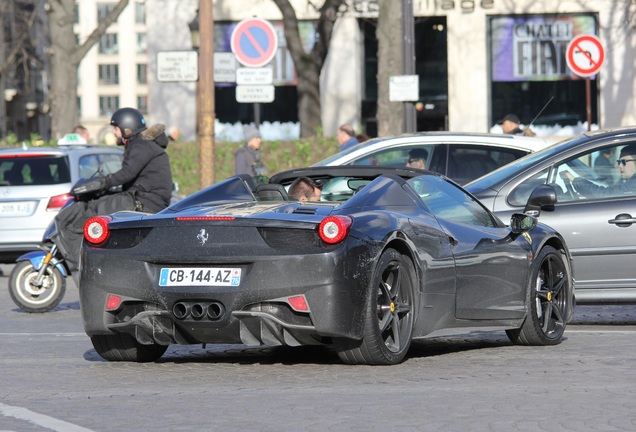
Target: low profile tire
{"x": 123, "y": 347}
{"x": 549, "y": 299}
{"x": 36, "y": 299}
{"x": 390, "y": 314}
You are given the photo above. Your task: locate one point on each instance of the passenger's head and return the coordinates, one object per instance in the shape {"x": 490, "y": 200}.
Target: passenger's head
{"x": 128, "y": 122}
{"x": 417, "y": 158}
{"x": 627, "y": 161}
{"x": 305, "y": 189}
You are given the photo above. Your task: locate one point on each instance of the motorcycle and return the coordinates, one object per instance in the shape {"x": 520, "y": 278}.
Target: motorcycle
{"x": 38, "y": 281}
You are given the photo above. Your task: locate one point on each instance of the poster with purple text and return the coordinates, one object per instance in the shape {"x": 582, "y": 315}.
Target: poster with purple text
{"x": 533, "y": 47}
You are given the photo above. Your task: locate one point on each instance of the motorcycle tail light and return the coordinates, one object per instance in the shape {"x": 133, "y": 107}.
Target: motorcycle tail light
{"x": 57, "y": 202}
{"x": 334, "y": 229}
{"x": 96, "y": 229}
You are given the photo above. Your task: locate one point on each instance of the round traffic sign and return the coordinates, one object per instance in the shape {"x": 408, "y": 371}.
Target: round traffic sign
{"x": 585, "y": 55}
{"x": 254, "y": 42}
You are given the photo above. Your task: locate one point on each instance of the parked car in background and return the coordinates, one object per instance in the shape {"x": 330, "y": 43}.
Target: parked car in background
{"x": 35, "y": 184}
{"x": 599, "y": 230}
{"x": 460, "y": 156}
{"x": 405, "y": 254}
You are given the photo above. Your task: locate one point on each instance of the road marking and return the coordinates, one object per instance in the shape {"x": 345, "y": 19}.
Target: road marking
{"x": 570, "y": 330}
{"x": 40, "y": 419}
{"x": 44, "y": 334}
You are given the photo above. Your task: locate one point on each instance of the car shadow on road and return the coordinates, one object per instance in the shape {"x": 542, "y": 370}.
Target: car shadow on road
{"x": 317, "y": 355}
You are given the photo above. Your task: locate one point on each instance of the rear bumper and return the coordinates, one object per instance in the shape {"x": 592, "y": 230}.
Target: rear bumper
{"x": 256, "y": 313}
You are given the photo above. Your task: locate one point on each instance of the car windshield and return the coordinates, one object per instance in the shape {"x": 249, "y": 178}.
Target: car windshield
{"x": 40, "y": 170}
{"x": 505, "y": 172}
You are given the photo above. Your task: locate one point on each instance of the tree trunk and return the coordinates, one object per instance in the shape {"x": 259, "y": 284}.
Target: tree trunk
{"x": 63, "y": 92}
{"x": 66, "y": 56}
{"x": 309, "y": 65}
{"x": 309, "y": 109}
{"x": 390, "y": 115}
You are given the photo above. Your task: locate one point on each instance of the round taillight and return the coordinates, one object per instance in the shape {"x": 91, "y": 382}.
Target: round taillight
{"x": 96, "y": 229}
{"x": 334, "y": 229}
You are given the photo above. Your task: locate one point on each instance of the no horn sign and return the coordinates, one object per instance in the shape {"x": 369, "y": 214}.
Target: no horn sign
{"x": 254, "y": 42}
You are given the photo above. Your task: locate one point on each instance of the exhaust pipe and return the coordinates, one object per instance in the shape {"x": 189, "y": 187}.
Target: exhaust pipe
{"x": 198, "y": 310}
{"x": 215, "y": 310}
{"x": 181, "y": 310}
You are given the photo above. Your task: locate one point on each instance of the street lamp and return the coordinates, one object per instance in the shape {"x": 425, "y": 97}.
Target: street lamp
{"x": 202, "y": 34}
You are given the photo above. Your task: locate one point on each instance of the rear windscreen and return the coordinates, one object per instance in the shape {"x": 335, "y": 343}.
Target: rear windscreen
{"x": 34, "y": 170}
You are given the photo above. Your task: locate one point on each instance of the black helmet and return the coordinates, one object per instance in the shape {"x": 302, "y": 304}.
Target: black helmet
{"x": 129, "y": 120}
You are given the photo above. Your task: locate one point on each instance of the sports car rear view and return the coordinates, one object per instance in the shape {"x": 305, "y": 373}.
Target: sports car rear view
{"x": 402, "y": 254}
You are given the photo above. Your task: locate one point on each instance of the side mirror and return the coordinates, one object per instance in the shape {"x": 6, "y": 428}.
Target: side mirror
{"x": 542, "y": 198}
{"x": 521, "y": 222}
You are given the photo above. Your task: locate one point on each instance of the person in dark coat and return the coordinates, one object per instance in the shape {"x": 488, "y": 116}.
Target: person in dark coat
{"x": 145, "y": 171}
{"x": 510, "y": 125}
{"x": 247, "y": 159}
{"x": 145, "y": 179}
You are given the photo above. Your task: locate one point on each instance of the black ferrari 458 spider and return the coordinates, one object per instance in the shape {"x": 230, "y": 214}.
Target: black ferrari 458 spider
{"x": 387, "y": 255}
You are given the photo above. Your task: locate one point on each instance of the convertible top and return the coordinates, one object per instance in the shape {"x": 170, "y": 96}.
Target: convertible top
{"x": 326, "y": 172}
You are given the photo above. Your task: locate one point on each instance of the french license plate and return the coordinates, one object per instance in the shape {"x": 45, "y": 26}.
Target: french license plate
{"x": 198, "y": 276}
{"x": 18, "y": 208}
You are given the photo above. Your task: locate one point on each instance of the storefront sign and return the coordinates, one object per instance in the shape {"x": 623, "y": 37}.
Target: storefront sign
{"x": 534, "y": 48}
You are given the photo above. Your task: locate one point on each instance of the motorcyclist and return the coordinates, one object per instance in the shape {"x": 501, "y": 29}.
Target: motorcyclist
{"x": 146, "y": 168}
{"x": 145, "y": 178}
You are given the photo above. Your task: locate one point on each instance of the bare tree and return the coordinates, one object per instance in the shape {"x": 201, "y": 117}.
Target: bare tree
{"x": 15, "y": 22}
{"x": 390, "y": 115}
{"x": 66, "y": 55}
{"x": 309, "y": 64}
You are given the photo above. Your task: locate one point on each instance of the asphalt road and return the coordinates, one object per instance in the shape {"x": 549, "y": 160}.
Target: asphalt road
{"x": 51, "y": 379}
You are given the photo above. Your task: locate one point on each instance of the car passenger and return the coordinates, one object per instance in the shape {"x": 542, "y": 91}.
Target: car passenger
{"x": 417, "y": 158}
{"x": 305, "y": 189}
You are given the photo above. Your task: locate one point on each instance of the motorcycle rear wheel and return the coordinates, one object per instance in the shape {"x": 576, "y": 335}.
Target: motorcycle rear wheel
{"x": 31, "y": 298}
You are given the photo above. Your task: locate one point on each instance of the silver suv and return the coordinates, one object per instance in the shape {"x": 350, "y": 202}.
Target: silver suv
{"x": 34, "y": 185}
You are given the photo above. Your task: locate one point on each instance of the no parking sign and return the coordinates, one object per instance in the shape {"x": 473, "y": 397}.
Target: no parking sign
{"x": 254, "y": 42}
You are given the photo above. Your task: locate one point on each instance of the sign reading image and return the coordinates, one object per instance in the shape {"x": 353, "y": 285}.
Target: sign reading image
{"x": 534, "y": 48}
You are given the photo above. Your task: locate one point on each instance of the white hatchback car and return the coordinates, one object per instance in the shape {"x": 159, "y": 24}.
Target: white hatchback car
{"x": 35, "y": 184}
{"x": 461, "y": 157}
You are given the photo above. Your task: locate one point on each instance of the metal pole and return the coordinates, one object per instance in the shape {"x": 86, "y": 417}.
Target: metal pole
{"x": 408, "y": 60}
{"x": 205, "y": 115}
{"x": 588, "y": 103}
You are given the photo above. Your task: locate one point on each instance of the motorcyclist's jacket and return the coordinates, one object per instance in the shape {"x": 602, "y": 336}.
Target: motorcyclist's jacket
{"x": 146, "y": 170}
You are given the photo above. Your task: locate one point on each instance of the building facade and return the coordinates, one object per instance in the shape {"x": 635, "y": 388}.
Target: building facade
{"x": 476, "y": 60}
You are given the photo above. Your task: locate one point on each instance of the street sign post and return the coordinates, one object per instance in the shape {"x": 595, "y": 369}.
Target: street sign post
{"x": 224, "y": 67}
{"x": 255, "y": 93}
{"x": 254, "y": 42}
{"x": 177, "y": 66}
{"x": 585, "y": 56}
{"x": 254, "y": 76}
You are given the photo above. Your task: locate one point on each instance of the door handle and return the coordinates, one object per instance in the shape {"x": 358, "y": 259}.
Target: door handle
{"x": 622, "y": 220}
